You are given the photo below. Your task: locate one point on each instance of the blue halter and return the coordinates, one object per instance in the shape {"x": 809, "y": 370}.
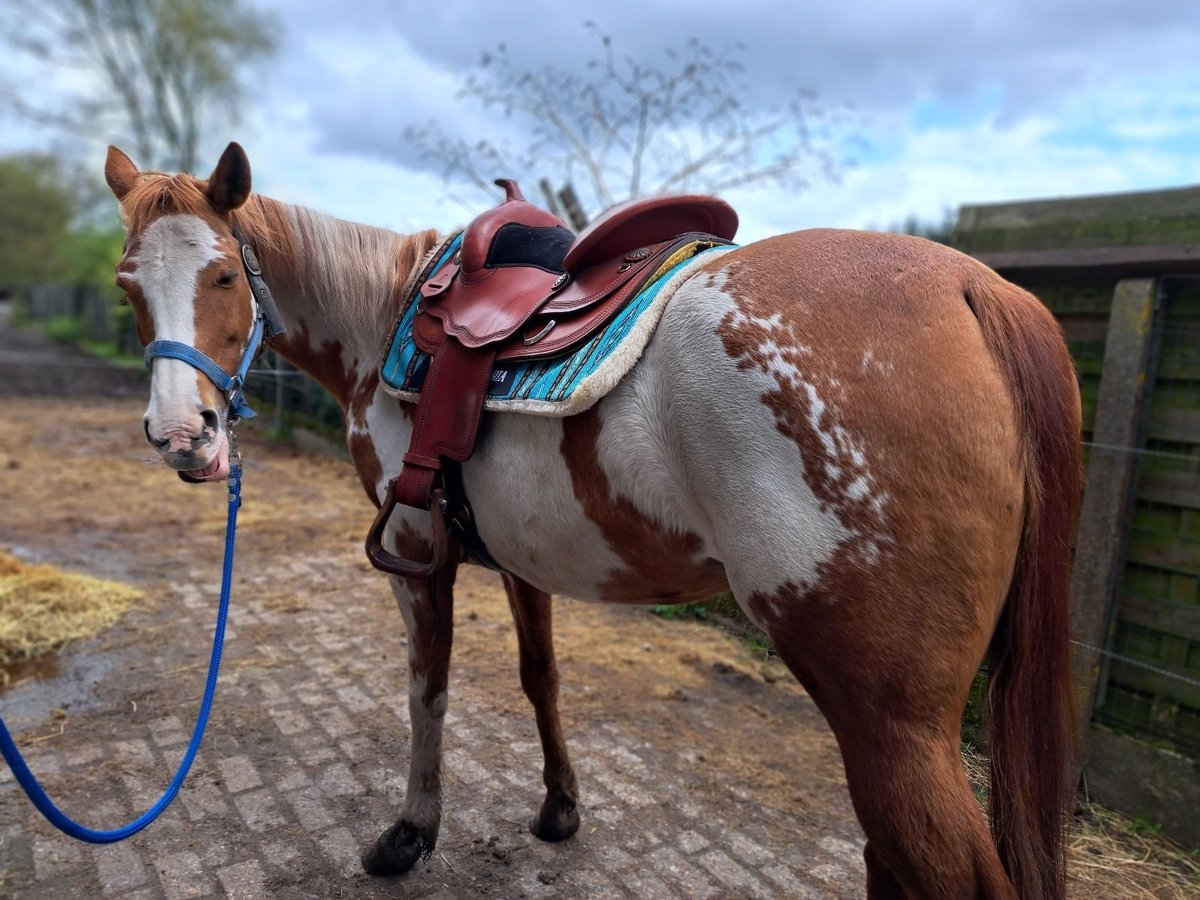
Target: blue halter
{"x": 267, "y": 324}
{"x": 229, "y": 385}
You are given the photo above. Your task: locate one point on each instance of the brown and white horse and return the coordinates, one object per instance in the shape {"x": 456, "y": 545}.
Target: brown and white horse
{"x": 872, "y": 440}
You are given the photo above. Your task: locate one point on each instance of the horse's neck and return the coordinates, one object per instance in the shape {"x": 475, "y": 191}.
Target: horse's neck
{"x": 334, "y": 283}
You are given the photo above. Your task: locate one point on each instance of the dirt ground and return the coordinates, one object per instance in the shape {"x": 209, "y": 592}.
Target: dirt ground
{"x": 705, "y": 770}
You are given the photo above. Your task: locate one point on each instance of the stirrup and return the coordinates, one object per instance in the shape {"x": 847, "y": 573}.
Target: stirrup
{"x": 396, "y": 565}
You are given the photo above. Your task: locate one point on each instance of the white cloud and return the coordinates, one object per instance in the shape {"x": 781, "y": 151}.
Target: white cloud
{"x": 961, "y": 103}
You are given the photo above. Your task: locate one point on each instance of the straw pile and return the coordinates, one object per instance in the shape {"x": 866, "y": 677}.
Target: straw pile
{"x": 1111, "y": 855}
{"x": 42, "y": 607}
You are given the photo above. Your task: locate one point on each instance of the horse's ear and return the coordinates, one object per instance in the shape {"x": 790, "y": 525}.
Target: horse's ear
{"x": 119, "y": 172}
{"x": 229, "y": 184}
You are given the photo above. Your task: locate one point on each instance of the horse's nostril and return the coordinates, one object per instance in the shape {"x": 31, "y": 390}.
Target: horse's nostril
{"x": 159, "y": 443}
{"x": 211, "y": 420}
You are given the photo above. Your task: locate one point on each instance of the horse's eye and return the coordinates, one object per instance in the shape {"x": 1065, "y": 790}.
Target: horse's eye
{"x": 227, "y": 278}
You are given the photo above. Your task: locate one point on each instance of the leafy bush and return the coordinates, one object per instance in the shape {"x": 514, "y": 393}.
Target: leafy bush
{"x": 66, "y": 329}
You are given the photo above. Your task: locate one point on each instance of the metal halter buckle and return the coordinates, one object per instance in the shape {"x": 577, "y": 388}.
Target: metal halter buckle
{"x": 250, "y": 260}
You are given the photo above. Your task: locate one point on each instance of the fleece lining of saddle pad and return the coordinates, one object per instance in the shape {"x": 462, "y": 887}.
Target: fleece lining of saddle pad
{"x": 564, "y": 385}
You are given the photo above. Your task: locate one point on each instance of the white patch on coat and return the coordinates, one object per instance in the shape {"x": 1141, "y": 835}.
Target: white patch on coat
{"x": 525, "y": 507}
{"x": 423, "y": 798}
{"x": 874, "y": 365}
{"x": 171, "y": 252}
{"x": 522, "y": 496}
{"x": 389, "y": 431}
{"x": 689, "y": 440}
{"x": 846, "y": 457}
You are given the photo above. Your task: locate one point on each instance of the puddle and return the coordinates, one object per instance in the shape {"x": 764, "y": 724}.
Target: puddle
{"x": 66, "y": 681}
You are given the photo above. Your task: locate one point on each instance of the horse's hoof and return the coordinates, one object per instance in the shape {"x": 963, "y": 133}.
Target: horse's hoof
{"x": 397, "y": 849}
{"x": 555, "y": 822}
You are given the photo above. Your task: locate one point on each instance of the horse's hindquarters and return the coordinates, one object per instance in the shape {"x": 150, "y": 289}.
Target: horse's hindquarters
{"x": 850, "y": 437}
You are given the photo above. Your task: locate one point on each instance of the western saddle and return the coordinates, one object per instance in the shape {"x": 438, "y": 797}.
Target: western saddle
{"x": 520, "y": 286}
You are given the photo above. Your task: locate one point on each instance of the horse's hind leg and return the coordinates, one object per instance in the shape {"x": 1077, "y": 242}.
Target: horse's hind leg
{"x": 926, "y": 836}
{"x": 428, "y": 610}
{"x": 557, "y": 819}
{"x": 895, "y": 701}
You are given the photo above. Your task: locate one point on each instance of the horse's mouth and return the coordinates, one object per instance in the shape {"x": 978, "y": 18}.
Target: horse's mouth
{"x": 217, "y": 468}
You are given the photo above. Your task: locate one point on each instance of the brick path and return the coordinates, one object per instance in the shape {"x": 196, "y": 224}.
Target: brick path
{"x": 704, "y": 771}
{"x": 281, "y": 805}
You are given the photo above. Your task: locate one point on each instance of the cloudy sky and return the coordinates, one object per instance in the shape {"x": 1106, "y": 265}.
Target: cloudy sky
{"x": 951, "y": 102}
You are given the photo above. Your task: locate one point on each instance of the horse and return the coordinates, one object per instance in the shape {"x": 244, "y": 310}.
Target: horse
{"x": 871, "y": 440}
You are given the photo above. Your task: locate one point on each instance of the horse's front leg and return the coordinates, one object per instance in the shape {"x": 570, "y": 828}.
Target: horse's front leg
{"x": 558, "y": 819}
{"x": 428, "y": 609}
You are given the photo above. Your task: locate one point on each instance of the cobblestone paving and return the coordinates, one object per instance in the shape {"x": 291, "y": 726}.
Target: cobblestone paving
{"x": 704, "y": 772}
{"x": 281, "y": 804}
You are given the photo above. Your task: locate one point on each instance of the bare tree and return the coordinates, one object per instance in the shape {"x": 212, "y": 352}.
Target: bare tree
{"x": 625, "y": 128}
{"x": 153, "y": 72}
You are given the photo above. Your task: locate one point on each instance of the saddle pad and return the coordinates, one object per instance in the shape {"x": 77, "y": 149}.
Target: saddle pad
{"x": 564, "y": 385}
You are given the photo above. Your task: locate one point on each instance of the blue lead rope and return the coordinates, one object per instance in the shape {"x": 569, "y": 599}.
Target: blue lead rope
{"x": 29, "y": 783}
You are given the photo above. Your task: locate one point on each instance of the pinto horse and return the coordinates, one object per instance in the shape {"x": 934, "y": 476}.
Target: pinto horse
{"x": 871, "y": 440}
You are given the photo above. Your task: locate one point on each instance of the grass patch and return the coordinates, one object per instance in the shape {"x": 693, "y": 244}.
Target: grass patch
{"x": 65, "y": 329}
{"x": 974, "y": 722}
{"x": 110, "y": 352}
{"x": 721, "y": 610}
{"x": 681, "y": 610}
{"x": 42, "y": 607}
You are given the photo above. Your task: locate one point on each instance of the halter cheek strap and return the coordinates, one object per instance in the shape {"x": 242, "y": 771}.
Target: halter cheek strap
{"x": 267, "y": 309}
{"x": 267, "y": 324}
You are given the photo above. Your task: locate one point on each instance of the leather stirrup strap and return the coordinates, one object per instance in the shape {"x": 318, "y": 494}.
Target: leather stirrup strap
{"x": 447, "y": 418}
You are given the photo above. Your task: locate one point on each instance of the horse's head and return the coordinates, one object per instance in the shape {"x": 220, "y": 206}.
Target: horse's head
{"x": 184, "y": 274}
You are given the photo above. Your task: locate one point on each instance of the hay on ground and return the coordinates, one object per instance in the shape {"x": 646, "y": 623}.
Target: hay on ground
{"x": 42, "y": 607}
{"x": 1111, "y": 855}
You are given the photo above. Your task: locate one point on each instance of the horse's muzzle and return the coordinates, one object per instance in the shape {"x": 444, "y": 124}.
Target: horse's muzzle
{"x": 196, "y": 459}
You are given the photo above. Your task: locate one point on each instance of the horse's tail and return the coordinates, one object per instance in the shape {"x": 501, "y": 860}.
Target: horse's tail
{"x": 1031, "y": 724}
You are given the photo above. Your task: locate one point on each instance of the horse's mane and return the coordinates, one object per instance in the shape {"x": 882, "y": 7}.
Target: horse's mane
{"x": 351, "y": 270}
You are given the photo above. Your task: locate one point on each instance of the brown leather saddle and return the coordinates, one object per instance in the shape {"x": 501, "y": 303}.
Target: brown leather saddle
{"x": 521, "y": 286}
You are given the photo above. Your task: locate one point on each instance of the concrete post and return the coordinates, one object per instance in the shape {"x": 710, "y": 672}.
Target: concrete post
{"x": 1134, "y": 327}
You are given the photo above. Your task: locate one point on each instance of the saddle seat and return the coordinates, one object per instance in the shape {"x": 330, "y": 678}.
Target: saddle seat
{"x": 522, "y": 286}
{"x": 517, "y": 260}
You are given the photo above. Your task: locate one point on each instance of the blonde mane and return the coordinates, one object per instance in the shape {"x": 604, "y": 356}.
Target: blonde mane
{"x": 352, "y": 271}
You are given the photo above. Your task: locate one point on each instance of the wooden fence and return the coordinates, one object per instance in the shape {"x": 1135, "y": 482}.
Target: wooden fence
{"x": 1122, "y": 274}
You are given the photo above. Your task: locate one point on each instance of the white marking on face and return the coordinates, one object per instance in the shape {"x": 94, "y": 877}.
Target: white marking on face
{"x": 171, "y": 252}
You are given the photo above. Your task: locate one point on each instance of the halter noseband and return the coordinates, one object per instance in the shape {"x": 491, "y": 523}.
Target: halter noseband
{"x": 267, "y": 324}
